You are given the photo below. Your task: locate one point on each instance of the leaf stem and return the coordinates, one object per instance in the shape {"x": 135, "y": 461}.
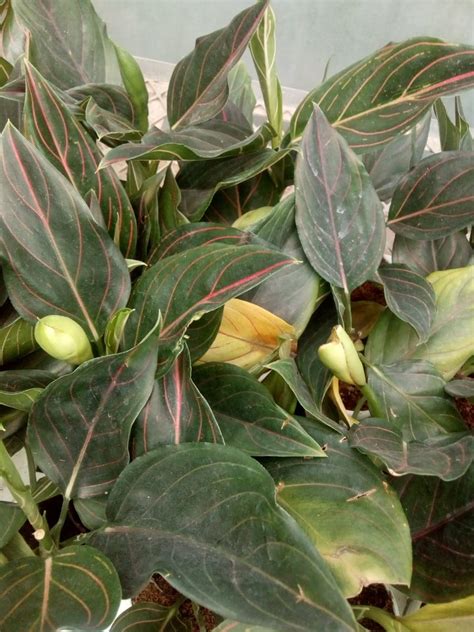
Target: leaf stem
{"x": 31, "y": 467}
{"x": 23, "y": 496}
{"x": 376, "y": 410}
{"x": 381, "y": 617}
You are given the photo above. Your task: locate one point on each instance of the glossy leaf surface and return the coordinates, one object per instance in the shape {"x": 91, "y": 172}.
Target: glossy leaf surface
{"x": 259, "y": 550}
{"x": 150, "y": 617}
{"x": 76, "y": 588}
{"x": 88, "y": 277}
{"x": 212, "y": 139}
{"x": 175, "y": 413}
{"x": 395, "y": 159}
{"x": 351, "y": 514}
{"x": 288, "y": 370}
{"x": 51, "y": 127}
{"x": 302, "y": 286}
{"x": 231, "y": 203}
{"x": 412, "y": 396}
{"x": 19, "y": 389}
{"x": 409, "y": 297}
{"x": 445, "y": 456}
{"x": 338, "y": 214}
{"x": 441, "y": 517}
{"x": 199, "y": 182}
{"x": 79, "y": 428}
{"x": 461, "y": 388}
{"x": 248, "y": 417}
{"x": 198, "y": 87}
{"x": 199, "y": 234}
{"x": 429, "y": 256}
{"x": 388, "y": 92}
{"x": 67, "y": 57}
{"x": 16, "y": 340}
{"x": 11, "y": 520}
{"x": 436, "y": 199}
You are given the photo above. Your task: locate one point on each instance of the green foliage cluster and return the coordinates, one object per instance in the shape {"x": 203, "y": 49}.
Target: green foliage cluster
{"x": 206, "y": 437}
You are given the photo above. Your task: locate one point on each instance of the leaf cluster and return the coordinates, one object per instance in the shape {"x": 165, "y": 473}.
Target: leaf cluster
{"x": 206, "y": 263}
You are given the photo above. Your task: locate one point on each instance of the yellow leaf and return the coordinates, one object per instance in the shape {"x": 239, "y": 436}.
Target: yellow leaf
{"x": 249, "y": 336}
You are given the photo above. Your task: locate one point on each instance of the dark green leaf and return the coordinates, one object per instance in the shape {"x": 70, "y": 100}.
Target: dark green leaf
{"x": 12, "y": 519}
{"x": 198, "y": 87}
{"x": 441, "y": 517}
{"x": 395, "y": 159}
{"x": 92, "y": 411}
{"x": 91, "y": 511}
{"x": 16, "y": 340}
{"x": 314, "y": 373}
{"x": 288, "y": 370}
{"x": 175, "y": 413}
{"x": 76, "y": 588}
{"x": 201, "y": 333}
{"x": 436, "y": 199}
{"x": 67, "y": 42}
{"x": 229, "y": 204}
{"x": 51, "y": 127}
{"x": 199, "y": 234}
{"x": 445, "y": 456}
{"x": 409, "y": 297}
{"x": 461, "y": 388}
{"x": 247, "y": 415}
{"x": 212, "y": 139}
{"x": 351, "y": 514}
{"x": 192, "y": 283}
{"x": 64, "y": 263}
{"x": 302, "y": 286}
{"x": 111, "y": 99}
{"x": 338, "y": 214}
{"x": 199, "y": 181}
{"x": 20, "y": 388}
{"x": 412, "y": 395}
{"x": 150, "y": 617}
{"x": 109, "y": 128}
{"x": 388, "y": 92}
{"x": 429, "y": 256}
{"x": 257, "y": 550}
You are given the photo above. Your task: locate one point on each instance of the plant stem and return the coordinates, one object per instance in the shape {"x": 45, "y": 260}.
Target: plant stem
{"x": 17, "y": 547}
{"x": 373, "y": 403}
{"x": 31, "y": 467}
{"x": 3, "y": 559}
{"x": 23, "y": 496}
{"x": 358, "y": 407}
{"x": 381, "y": 617}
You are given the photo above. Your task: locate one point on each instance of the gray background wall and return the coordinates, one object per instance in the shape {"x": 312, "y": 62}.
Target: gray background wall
{"x": 309, "y": 31}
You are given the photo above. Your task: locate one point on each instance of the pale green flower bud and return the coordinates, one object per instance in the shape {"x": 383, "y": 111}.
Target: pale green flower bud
{"x": 341, "y": 357}
{"x": 63, "y": 339}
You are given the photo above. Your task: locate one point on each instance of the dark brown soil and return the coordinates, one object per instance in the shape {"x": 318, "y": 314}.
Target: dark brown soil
{"x": 369, "y": 291}
{"x": 350, "y": 395}
{"x": 159, "y": 591}
{"x": 375, "y": 595}
{"x": 466, "y": 410}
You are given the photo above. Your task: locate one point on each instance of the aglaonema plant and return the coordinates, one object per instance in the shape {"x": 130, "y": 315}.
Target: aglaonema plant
{"x": 214, "y": 365}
